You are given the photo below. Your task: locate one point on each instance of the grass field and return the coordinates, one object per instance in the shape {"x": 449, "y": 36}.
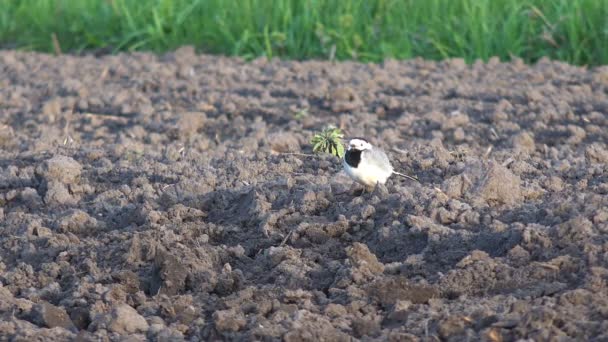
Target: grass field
{"x": 369, "y": 30}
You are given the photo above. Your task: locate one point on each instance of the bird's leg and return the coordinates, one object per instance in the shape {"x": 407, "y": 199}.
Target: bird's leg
{"x": 358, "y": 191}
{"x": 375, "y": 187}
{"x": 369, "y": 189}
{"x": 380, "y": 190}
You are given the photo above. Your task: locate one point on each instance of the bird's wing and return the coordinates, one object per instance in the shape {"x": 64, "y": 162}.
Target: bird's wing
{"x": 377, "y": 157}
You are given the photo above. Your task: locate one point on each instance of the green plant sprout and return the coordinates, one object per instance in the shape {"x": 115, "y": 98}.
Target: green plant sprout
{"x": 301, "y": 114}
{"x": 329, "y": 141}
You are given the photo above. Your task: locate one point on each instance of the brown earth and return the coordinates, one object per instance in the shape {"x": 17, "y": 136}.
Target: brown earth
{"x": 173, "y": 197}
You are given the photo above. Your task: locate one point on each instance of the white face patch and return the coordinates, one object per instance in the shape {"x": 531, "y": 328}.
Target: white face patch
{"x": 359, "y": 144}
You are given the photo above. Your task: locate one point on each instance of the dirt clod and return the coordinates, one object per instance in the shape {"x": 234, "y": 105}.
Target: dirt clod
{"x": 78, "y": 222}
{"x": 229, "y": 320}
{"x": 389, "y": 291}
{"x": 122, "y": 319}
{"x": 51, "y": 316}
{"x": 486, "y": 184}
{"x": 60, "y": 169}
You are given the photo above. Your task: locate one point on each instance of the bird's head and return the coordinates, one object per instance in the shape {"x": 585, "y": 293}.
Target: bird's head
{"x": 359, "y": 144}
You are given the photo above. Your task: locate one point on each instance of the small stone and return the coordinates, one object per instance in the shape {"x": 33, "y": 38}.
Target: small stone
{"x": 523, "y": 142}
{"x": 459, "y": 134}
{"x": 518, "y": 255}
{"x": 7, "y": 136}
{"x": 454, "y": 120}
{"x": 77, "y": 221}
{"x": 534, "y": 96}
{"x": 577, "y": 134}
{"x": 390, "y": 290}
{"x": 364, "y": 260}
{"x": 554, "y": 183}
{"x": 575, "y": 230}
{"x": 367, "y": 211}
{"x": 81, "y": 317}
{"x": 452, "y": 326}
{"x": 596, "y": 153}
{"x": 497, "y": 184}
{"x": 50, "y": 316}
{"x": 283, "y": 142}
{"x": 601, "y": 216}
{"x": 61, "y": 169}
{"x": 400, "y": 310}
{"x": 188, "y": 124}
{"x": 31, "y": 198}
{"x": 457, "y": 63}
{"x": 229, "y": 320}
{"x": 169, "y": 335}
{"x": 58, "y": 194}
{"x": 344, "y": 99}
{"x": 123, "y": 319}
{"x": 128, "y": 279}
{"x": 170, "y": 274}
{"x": 52, "y": 108}
{"x": 365, "y": 327}
{"x": 335, "y": 310}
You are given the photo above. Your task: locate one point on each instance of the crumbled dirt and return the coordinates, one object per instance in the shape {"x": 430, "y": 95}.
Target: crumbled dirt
{"x": 175, "y": 197}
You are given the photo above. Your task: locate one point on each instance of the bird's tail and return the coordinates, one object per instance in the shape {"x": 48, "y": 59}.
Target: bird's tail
{"x": 406, "y": 176}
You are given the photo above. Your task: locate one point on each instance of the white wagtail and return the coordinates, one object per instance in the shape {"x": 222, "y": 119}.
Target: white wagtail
{"x": 368, "y": 165}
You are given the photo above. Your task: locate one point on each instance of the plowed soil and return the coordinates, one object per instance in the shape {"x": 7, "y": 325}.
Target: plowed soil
{"x": 177, "y": 197}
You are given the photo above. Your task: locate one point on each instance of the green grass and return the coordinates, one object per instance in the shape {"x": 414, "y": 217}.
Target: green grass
{"x": 369, "y": 30}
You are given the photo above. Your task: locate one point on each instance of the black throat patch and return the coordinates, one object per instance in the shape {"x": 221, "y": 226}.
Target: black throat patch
{"x": 353, "y": 157}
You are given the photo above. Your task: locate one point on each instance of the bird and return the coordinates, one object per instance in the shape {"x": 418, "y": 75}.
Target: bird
{"x": 368, "y": 165}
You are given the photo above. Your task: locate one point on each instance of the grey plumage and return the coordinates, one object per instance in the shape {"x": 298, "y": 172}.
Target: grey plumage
{"x": 376, "y": 156}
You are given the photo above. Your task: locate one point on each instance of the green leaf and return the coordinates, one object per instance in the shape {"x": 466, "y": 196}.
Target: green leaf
{"x": 329, "y": 141}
